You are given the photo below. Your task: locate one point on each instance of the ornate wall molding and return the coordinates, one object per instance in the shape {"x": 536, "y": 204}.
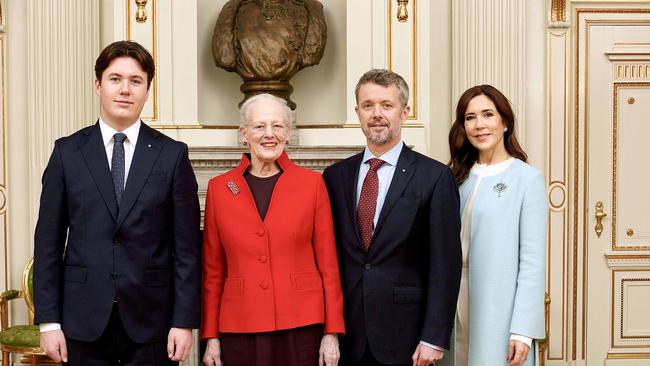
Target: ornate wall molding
{"x": 489, "y": 47}
{"x": 62, "y": 44}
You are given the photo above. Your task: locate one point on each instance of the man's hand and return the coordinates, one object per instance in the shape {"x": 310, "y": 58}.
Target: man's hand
{"x": 425, "y": 356}
{"x": 212, "y": 356}
{"x": 329, "y": 354}
{"x": 517, "y": 353}
{"x": 53, "y": 343}
{"x": 179, "y": 344}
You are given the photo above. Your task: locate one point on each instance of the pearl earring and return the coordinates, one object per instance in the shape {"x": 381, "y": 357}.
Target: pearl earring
{"x": 505, "y": 129}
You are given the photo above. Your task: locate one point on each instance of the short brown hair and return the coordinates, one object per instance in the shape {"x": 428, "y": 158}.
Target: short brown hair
{"x": 463, "y": 154}
{"x": 384, "y": 78}
{"x": 130, "y": 49}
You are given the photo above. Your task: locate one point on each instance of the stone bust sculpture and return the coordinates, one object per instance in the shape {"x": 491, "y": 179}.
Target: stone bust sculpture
{"x": 267, "y": 42}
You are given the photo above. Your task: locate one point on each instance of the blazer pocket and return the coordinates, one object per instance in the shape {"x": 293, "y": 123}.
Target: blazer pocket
{"x": 233, "y": 287}
{"x": 156, "y": 177}
{"x": 75, "y": 274}
{"x": 407, "y": 295}
{"x": 303, "y": 281}
{"x": 157, "y": 277}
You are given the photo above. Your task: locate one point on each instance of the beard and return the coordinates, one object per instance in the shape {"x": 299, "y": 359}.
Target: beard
{"x": 379, "y": 137}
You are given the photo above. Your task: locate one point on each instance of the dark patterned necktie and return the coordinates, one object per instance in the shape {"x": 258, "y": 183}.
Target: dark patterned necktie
{"x": 117, "y": 165}
{"x": 368, "y": 203}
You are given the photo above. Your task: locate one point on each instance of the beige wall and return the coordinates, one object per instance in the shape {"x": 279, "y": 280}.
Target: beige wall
{"x": 520, "y": 46}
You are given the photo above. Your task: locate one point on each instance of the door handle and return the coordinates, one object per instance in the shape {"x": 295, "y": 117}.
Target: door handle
{"x": 600, "y": 215}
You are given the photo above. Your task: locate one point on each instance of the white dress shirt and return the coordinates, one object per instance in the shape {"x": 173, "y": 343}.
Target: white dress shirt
{"x": 108, "y": 132}
{"x": 385, "y": 176}
{"x": 131, "y": 133}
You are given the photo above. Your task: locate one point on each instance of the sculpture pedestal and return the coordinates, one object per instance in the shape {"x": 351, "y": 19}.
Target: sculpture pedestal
{"x": 279, "y": 88}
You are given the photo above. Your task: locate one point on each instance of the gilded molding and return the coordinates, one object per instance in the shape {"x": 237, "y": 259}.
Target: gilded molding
{"x": 414, "y": 55}
{"x": 558, "y": 10}
{"x": 623, "y": 280}
{"x": 557, "y": 194}
{"x": 154, "y": 51}
{"x": 235, "y": 127}
{"x": 2, "y": 18}
{"x": 615, "y": 144}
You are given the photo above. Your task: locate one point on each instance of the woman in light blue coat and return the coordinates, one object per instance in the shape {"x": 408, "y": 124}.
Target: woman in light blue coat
{"x": 503, "y": 214}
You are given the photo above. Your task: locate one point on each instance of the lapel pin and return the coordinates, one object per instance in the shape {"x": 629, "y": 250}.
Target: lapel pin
{"x": 233, "y": 187}
{"x": 403, "y": 170}
{"x": 499, "y": 188}
{"x": 149, "y": 145}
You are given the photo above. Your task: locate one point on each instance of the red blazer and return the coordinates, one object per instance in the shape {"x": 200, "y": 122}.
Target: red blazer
{"x": 280, "y": 273}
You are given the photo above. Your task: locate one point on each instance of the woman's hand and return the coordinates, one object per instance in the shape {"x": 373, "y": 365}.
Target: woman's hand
{"x": 517, "y": 353}
{"x": 329, "y": 354}
{"x": 212, "y": 356}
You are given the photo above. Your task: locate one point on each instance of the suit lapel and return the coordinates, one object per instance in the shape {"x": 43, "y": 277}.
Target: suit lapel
{"x": 94, "y": 154}
{"x": 146, "y": 152}
{"x": 403, "y": 173}
{"x": 350, "y": 188}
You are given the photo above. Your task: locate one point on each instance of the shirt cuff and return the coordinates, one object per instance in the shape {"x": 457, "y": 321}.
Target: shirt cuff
{"x": 432, "y": 346}
{"x": 48, "y": 327}
{"x": 517, "y": 337}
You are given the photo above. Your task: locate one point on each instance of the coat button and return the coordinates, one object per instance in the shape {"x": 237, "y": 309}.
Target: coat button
{"x": 367, "y": 266}
{"x": 113, "y": 275}
{"x": 260, "y": 232}
{"x": 264, "y": 285}
{"x": 117, "y": 240}
{"x": 262, "y": 259}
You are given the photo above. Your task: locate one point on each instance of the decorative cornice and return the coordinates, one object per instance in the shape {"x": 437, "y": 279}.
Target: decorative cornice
{"x": 220, "y": 159}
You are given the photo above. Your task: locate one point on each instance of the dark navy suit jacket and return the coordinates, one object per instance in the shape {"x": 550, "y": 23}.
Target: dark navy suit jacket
{"x": 145, "y": 256}
{"x": 405, "y": 288}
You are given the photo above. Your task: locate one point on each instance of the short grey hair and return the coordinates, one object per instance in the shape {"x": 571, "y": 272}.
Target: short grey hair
{"x": 245, "y": 109}
{"x": 384, "y": 78}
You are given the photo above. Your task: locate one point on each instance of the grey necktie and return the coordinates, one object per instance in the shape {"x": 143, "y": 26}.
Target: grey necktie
{"x": 117, "y": 165}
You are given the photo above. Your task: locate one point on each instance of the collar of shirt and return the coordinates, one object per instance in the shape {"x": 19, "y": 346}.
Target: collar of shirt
{"x": 108, "y": 132}
{"x": 391, "y": 156}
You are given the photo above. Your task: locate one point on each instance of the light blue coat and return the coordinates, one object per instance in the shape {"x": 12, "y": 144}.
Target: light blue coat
{"x": 507, "y": 257}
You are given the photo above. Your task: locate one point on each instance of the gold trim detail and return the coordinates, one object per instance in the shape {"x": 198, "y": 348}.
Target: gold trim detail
{"x": 402, "y": 10}
{"x": 558, "y": 13}
{"x": 628, "y": 71}
{"x": 615, "y": 144}
{"x": 628, "y": 356}
{"x": 558, "y": 184}
{"x": 623, "y": 280}
{"x": 627, "y": 256}
{"x": 414, "y": 86}
{"x": 557, "y": 207}
{"x": 141, "y": 12}
{"x": 236, "y": 127}
{"x": 154, "y": 54}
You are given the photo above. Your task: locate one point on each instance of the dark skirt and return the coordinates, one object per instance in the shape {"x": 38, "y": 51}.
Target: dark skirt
{"x": 290, "y": 347}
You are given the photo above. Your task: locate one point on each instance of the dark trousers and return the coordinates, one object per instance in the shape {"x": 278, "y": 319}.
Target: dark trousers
{"x": 290, "y": 347}
{"x": 368, "y": 360}
{"x": 114, "y": 347}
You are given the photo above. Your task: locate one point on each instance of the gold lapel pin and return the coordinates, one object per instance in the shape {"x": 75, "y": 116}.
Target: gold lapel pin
{"x": 233, "y": 187}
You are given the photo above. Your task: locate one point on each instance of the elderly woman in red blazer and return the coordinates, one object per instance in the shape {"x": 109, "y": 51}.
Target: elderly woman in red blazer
{"x": 271, "y": 286}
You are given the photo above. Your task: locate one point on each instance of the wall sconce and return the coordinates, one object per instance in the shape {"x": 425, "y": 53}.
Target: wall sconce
{"x": 141, "y": 13}
{"x": 402, "y": 12}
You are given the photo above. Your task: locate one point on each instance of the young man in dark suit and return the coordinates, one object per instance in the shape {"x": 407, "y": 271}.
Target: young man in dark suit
{"x": 398, "y": 237}
{"x": 117, "y": 254}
